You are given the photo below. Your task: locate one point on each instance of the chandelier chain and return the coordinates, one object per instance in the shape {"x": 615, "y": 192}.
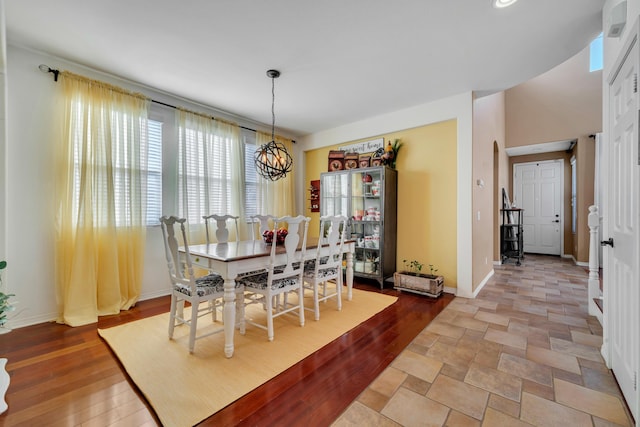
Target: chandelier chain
{"x": 273, "y": 108}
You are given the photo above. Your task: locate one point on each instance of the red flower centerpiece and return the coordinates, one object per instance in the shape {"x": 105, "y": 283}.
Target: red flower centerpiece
{"x": 281, "y": 234}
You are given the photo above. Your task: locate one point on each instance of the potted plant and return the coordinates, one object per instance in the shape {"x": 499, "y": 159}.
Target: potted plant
{"x": 412, "y": 279}
{"x": 5, "y": 305}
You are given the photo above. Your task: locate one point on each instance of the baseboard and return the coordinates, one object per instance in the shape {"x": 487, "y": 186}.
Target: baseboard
{"x": 575, "y": 261}
{"x": 595, "y": 311}
{"x": 20, "y": 322}
{"x": 154, "y": 294}
{"x": 450, "y": 290}
{"x": 17, "y": 320}
{"x": 482, "y": 283}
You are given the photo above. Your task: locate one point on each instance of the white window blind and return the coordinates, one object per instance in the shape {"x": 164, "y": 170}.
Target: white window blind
{"x": 251, "y": 176}
{"x": 150, "y": 165}
{"x": 154, "y": 173}
{"x": 205, "y": 169}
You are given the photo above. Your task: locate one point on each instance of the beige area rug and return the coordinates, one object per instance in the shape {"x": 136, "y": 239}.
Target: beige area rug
{"x": 186, "y": 388}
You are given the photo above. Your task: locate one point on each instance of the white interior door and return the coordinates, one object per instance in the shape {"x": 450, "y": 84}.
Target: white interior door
{"x": 621, "y": 259}
{"x": 538, "y": 190}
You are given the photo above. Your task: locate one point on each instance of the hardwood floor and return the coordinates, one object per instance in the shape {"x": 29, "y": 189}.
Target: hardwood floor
{"x": 65, "y": 376}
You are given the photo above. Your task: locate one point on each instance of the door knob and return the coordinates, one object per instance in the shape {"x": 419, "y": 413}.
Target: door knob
{"x": 607, "y": 242}
{"x": 557, "y": 220}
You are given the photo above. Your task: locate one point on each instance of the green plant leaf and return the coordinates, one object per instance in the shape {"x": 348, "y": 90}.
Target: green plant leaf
{"x": 3, "y": 265}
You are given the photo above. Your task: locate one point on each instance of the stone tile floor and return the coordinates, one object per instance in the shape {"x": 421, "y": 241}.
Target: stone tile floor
{"x": 524, "y": 352}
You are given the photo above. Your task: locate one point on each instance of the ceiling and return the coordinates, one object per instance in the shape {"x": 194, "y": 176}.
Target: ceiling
{"x": 341, "y": 61}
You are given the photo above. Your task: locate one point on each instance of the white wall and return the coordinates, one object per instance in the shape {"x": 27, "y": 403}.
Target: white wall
{"x": 3, "y": 134}
{"x": 29, "y": 189}
{"x": 457, "y": 107}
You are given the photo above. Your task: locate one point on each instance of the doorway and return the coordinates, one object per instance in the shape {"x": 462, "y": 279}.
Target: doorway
{"x": 538, "y": 190}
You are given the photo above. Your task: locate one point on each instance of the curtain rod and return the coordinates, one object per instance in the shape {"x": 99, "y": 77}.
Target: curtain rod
{"x": 46, "y": 69}
{"x": 175, "y": 108}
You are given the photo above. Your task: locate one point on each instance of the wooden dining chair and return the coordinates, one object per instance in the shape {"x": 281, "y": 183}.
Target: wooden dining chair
{"x": 185, "y": 286}
{"x": 320, "y": 271}
{"x": 221, "y": 231}
{"x": 282, "y": 275}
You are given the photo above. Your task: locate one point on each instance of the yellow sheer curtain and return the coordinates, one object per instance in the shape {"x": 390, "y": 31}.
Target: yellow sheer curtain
{"x": 100, "y": 196}
{"x": 210, "y": 170}
{"x": 276, "y": 197}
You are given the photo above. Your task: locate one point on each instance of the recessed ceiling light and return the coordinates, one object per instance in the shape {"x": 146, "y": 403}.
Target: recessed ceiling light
{"x": 499, "y": 4}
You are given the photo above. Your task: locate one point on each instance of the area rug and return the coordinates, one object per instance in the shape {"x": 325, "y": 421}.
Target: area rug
{"x": 184, "y": 388}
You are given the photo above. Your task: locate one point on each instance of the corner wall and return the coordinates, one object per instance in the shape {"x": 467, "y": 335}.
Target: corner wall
{"x": 489, "y": 166}
{"x": 585, "y": 152}
{"x": 559, "y": 105}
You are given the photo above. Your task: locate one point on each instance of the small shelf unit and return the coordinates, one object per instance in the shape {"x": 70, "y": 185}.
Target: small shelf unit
{"x": 511, "y": 241}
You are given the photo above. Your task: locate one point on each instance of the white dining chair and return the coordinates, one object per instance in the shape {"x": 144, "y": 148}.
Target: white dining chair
{"x": 260, "y": 224}
{"x": 219, "y": 224}
{"x": 282, "y": 275}
{"x": 185, "y": 286}
{"x": 221, "y": 230}
{"x": 327, "y": 268}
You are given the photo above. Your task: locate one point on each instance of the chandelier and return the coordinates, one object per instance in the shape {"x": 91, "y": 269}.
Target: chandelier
{"x": 272, "y": 159}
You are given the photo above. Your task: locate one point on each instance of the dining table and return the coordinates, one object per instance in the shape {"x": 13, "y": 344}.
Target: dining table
{"x": 233, "y": 258}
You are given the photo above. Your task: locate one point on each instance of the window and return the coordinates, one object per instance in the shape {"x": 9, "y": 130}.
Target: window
{"x": 154, "y": 173}
{"x": 151, "y": 169}
{"x": 250, "y": 174}
{"x": 595, "y": 54}
{"x": 208, "y": 173}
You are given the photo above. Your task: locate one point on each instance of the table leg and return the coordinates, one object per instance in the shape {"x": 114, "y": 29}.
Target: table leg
{"x": 349, "y": 274}
{"x": 229, "y": 315}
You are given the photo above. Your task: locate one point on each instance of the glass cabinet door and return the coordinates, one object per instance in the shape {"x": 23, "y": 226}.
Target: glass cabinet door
{"x": 334, "y": 190}
{"x": 366, "y": 218}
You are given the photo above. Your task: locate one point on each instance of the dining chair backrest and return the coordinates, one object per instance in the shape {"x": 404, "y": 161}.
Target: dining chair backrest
{"x": 221, "y": 230}
{"x": 208, "y": 288}
{"x": 326, "y": 268}
{"x": 262, "y": 223}
{"x": 295, "y": 246}
{"x": 332, "y": 234}
{"x": 283, "y": 275}
{"x": 172, "y": 227}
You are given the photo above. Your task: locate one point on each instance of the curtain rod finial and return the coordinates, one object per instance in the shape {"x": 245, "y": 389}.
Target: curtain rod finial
{"x": 46, "y": 69}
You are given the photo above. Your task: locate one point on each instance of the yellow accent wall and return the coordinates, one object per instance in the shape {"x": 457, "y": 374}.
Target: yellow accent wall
{"x": 427, "y": 195}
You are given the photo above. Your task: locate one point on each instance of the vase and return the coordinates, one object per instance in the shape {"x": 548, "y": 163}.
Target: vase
{"x": 4, "y": 384}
